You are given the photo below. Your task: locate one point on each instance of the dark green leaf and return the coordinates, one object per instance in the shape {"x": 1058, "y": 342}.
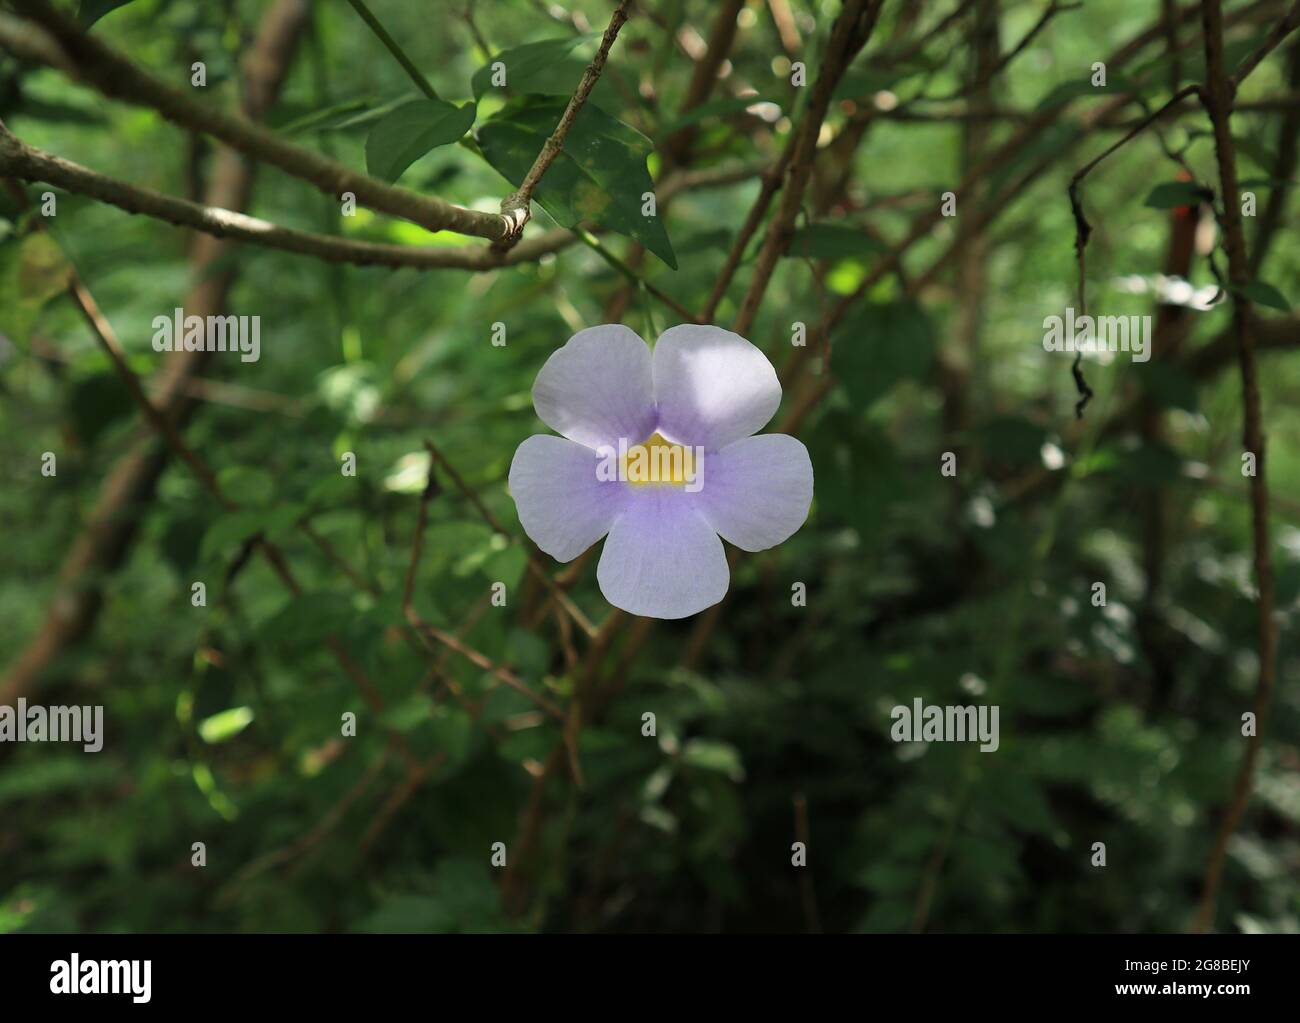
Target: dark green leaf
{"x": 531, "y": 68}
{"x": 1011, "y": 439}
{"x": 96, "y": 403}
{"x": 865, "y": 82}
{"x": 91, "y": 11}
{"x": 33, "y": 270}
{"x": 880, "y": 346}
{"x": 1263, "y": 294}
{"x": 1171, "y": 194}
{"x": 1263, "y": 183}
{"x": 1171, "y": 386}
{"x": 1082, "y": 86}
{"x": 702, "y": 240}
{"x": 410, "y": 131}
{"x": 353, "y": 113}
{"x": 599, "y": 177}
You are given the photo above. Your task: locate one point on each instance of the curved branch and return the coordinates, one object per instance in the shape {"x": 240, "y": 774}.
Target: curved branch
{"x": 114, "y": 76}
{"x": 516, "y": 209}
{"x": 19, "y": 160}
{"x": 1217, "y": 96}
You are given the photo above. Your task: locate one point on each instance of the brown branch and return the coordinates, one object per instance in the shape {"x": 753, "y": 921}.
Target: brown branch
{"x": 428, "y": 631}
{"x": 19, "y": 160}
{"x": 807, "y": 894}
{"x": 722, "y": 37}
{"x": 1218, "y": 96}
{"x": 107, "y": 538}
{"x": 771, "y": 183}
{"x": 114, "y": 76}
{"x": 849, "y": 34}
{"x": 987, "y": 74}
{"x": 1082, "y": 230}
{"x": 304, "y": 843}
{"x": 535, "y": 564}
{"x": 104, "y": 334}
{"x": 398, "y": 798}
{"x": 516, "y": 209}
{"x": 107, "y": 338}
{"x": 1288, "y": 153}
{"x": 1280, "y": 31}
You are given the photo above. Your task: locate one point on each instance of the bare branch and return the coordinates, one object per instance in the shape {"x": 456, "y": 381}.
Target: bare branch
{"x": 1217, "y": 95}
{"x": 534, "y": 563}
{"x": 112, "y": 524}
{"x": 429, "y": 632}
{"x": 116, "y": 77}
{"x": 19, "y": 160}
{"x": 1280, "y": 31}
{"x": 850, "y": 33}
{"x": 516, "y": 209}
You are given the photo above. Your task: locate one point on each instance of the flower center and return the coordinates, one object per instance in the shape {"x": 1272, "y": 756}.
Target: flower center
{"x": 658, "y": 460}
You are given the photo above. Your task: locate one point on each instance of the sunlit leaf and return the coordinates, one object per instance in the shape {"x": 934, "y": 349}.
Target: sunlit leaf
{"x": 599, "y": 177}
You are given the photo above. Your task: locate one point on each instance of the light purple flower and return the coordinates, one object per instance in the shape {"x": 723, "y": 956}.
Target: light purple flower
{"x": 703, "y": 388}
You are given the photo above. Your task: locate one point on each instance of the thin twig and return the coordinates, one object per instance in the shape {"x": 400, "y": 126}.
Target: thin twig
{"x": 19, "y": 160}
{"x": 390, "y": 44}
{"x": 534, "y": 563}
{"x": 90, "y": 60}
{"x": 516, "y": 208}
{"x": 1217, "y": 96}
{"x": 105, "y": 335}
{"x": 446, "y": 639}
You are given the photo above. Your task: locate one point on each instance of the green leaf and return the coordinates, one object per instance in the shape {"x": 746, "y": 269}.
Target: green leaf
{"x": 47, "y": 778}
{"x": 96, "y": 402}
{"x": 235, "y": 527}
{"x": 832, "y": 241}
{"x": 412, "y": 130}
{"x": 1011, "y": 439}
{"x": 599, "y": 176}
{"x": 351, "y": 113}
{"x": 1171, "y": 194}
{"x": 91, "y": 11}
{"x": 707, "y": 238}
{"x": 1171, "y": 386}
{"x": 406, "y": 914}
{"x": 1254, "y": 149}
{"x": 712, "y": 755}
{"x": 226, "y": 725}
{"x": 32, "y": 271}
{"x": 407, "y": 714}
{"x": 882, "y": 345}
{"x": 308, "y": 620}
{"x": 545, "y": 67}
{"x": 56, "y": 112}
{"x": 1263, "y": 294}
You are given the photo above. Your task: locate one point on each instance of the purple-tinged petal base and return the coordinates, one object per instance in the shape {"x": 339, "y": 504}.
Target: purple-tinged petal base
{"x": 662, "y": 559}
{"x": 756, "y": 493}
{"x": 563, "y": 507}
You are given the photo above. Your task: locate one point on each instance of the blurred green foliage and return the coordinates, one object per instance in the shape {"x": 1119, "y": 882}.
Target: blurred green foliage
{"x": 224, "y": 722}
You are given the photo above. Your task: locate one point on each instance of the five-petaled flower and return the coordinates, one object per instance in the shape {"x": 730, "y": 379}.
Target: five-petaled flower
{"x": 695, "y": 403}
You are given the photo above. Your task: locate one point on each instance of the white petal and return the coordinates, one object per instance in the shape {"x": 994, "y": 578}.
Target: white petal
{"x": 756, "y": 493}
{"x": 563, "y": 506}
{"x": 712, "y": 386}
{"x": 598, "y": 387}
{"x": 662, "y": 560}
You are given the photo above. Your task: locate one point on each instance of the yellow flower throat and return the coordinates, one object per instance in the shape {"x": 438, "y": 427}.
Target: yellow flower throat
{"x": 660, "y": 461}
